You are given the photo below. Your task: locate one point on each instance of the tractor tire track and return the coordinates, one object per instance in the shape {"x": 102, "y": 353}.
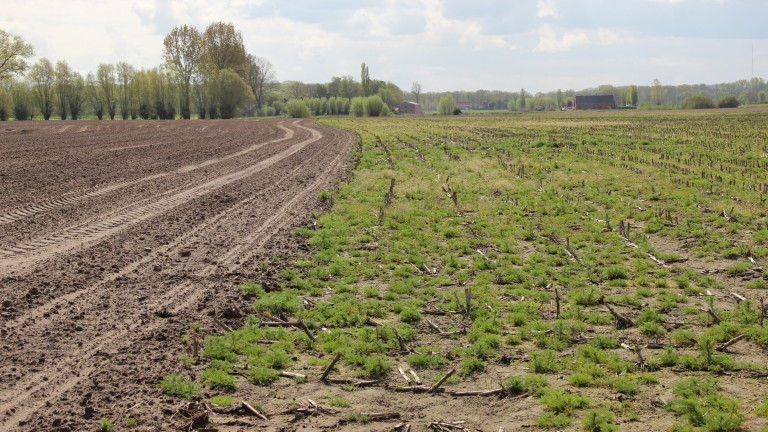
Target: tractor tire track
{"x": 11, "y": 259}
{"x": 68, "y": 200}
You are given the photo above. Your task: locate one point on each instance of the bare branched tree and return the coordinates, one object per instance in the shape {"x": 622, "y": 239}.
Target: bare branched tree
{"x": 416, "y": 90}
{"x": 261, "y": 78}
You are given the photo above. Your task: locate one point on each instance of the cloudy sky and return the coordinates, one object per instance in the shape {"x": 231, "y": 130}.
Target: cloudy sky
{"x": 540, "y": 45}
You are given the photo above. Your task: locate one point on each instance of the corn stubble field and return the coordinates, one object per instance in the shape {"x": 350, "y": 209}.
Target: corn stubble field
{"x": 580, "y": 271}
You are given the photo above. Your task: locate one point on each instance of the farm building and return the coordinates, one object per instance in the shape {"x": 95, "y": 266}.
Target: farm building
{"x": 409, "y": 108}
{"x": 595, "y": 102}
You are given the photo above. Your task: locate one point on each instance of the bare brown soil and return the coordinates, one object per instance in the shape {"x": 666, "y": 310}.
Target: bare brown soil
{"x": 117, "y": 237}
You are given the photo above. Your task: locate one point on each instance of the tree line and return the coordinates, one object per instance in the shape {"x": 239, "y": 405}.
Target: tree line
{"x": 208, "y": 73}
{"x": 752, "y": 91}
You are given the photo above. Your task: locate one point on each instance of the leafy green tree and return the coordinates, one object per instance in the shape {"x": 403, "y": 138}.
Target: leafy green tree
{"x": 182, "y": 52}
{"x": 125, "y": 76}
{"x": 762, "y": 97}
{"x": 224, "y": 49}
{"x": 162, "y": 94}
{"x": 624, "y": 97}
{"x": 390, "y": 98}
{"x": 201, "y": 93}
{"x": 95, "y": 96}
{"x": 374, "y": 106}
{"x": 23, "y": 108}
{"x": 334, "y": 87}
{"x": 522, "y": 99}
{"x": 357, "y": 107}
{"x": 446, "y": 105}
{"x": 63, "y": 80}
{"x": 105, "y": 74}
{"x": 658, "y": 92}
{"x": 6, "y": 104}
{"x": 76, "y": 95}
{"x": 233, "y": 93}
{"x": 632, "y": 95}
{"x": 365, "y": 80}
{"x": 350, "y": 88}
{"x": 42, "y": 76}
{"x": 279, "y": 107}
{"x": 13, "y": 54}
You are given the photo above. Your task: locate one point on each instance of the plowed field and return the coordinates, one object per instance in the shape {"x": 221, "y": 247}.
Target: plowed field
{"x": 116, "y": 238}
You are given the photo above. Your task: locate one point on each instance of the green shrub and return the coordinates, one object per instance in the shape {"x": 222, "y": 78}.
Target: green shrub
{"x": 738, "y": 268}
{"x": 220, "y": 348}
{"x": 426, "y": 361}
{"x": 586, "y": 296}
{"x": 603, "y": 342}
{"x": 700, "y": 405}
{"x": 377, "y": 367}
{"x": 446, "y": 105}
{"x": 485, "y": 346}
{"x": 544, "y": 361}
{"x": 222, "y": 401}
{"x": 756, "y": 284}
{"x": 410, "y": 315}
{"x": 695, "y": 387}
{"x": 599, "y": 420}
{"x": 560, "y": 402}
{"x": 697, "y": 102}
{"x": 218, "y": 378}
{"x": 357, "y": 107}
{"x": 581, "y": 379}
{"x": 470, "y": 365}
{"x": 252, "y": 288}
{"x": 729, "y": 101}
{"x": 616, "y": 272}
{"x": 177, "y": 385}
{"x": 279, "y": 302}
{"x": 374, "y": 106}
{"x": 652, "y": 329}
{"x": 668, "y": 358}
{"x": 263, "y": 375}
{"x": 297, "y": 108}
{"x": 762, "y": 409}
{"x": 549, "y": 420}
{"x": 625, "y": 386}
{"x": 276, "y": 359}
{"x": 339, "y": 402}
{"x": 520, "y": 384}
{"x": 106, "y": 425}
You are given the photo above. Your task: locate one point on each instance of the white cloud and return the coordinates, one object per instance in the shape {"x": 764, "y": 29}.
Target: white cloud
{"x": 442, "y": 30}
{"x": 547, "y": 8}
{"x": 427, "y": 26}
{"x": 576, "y": 38}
